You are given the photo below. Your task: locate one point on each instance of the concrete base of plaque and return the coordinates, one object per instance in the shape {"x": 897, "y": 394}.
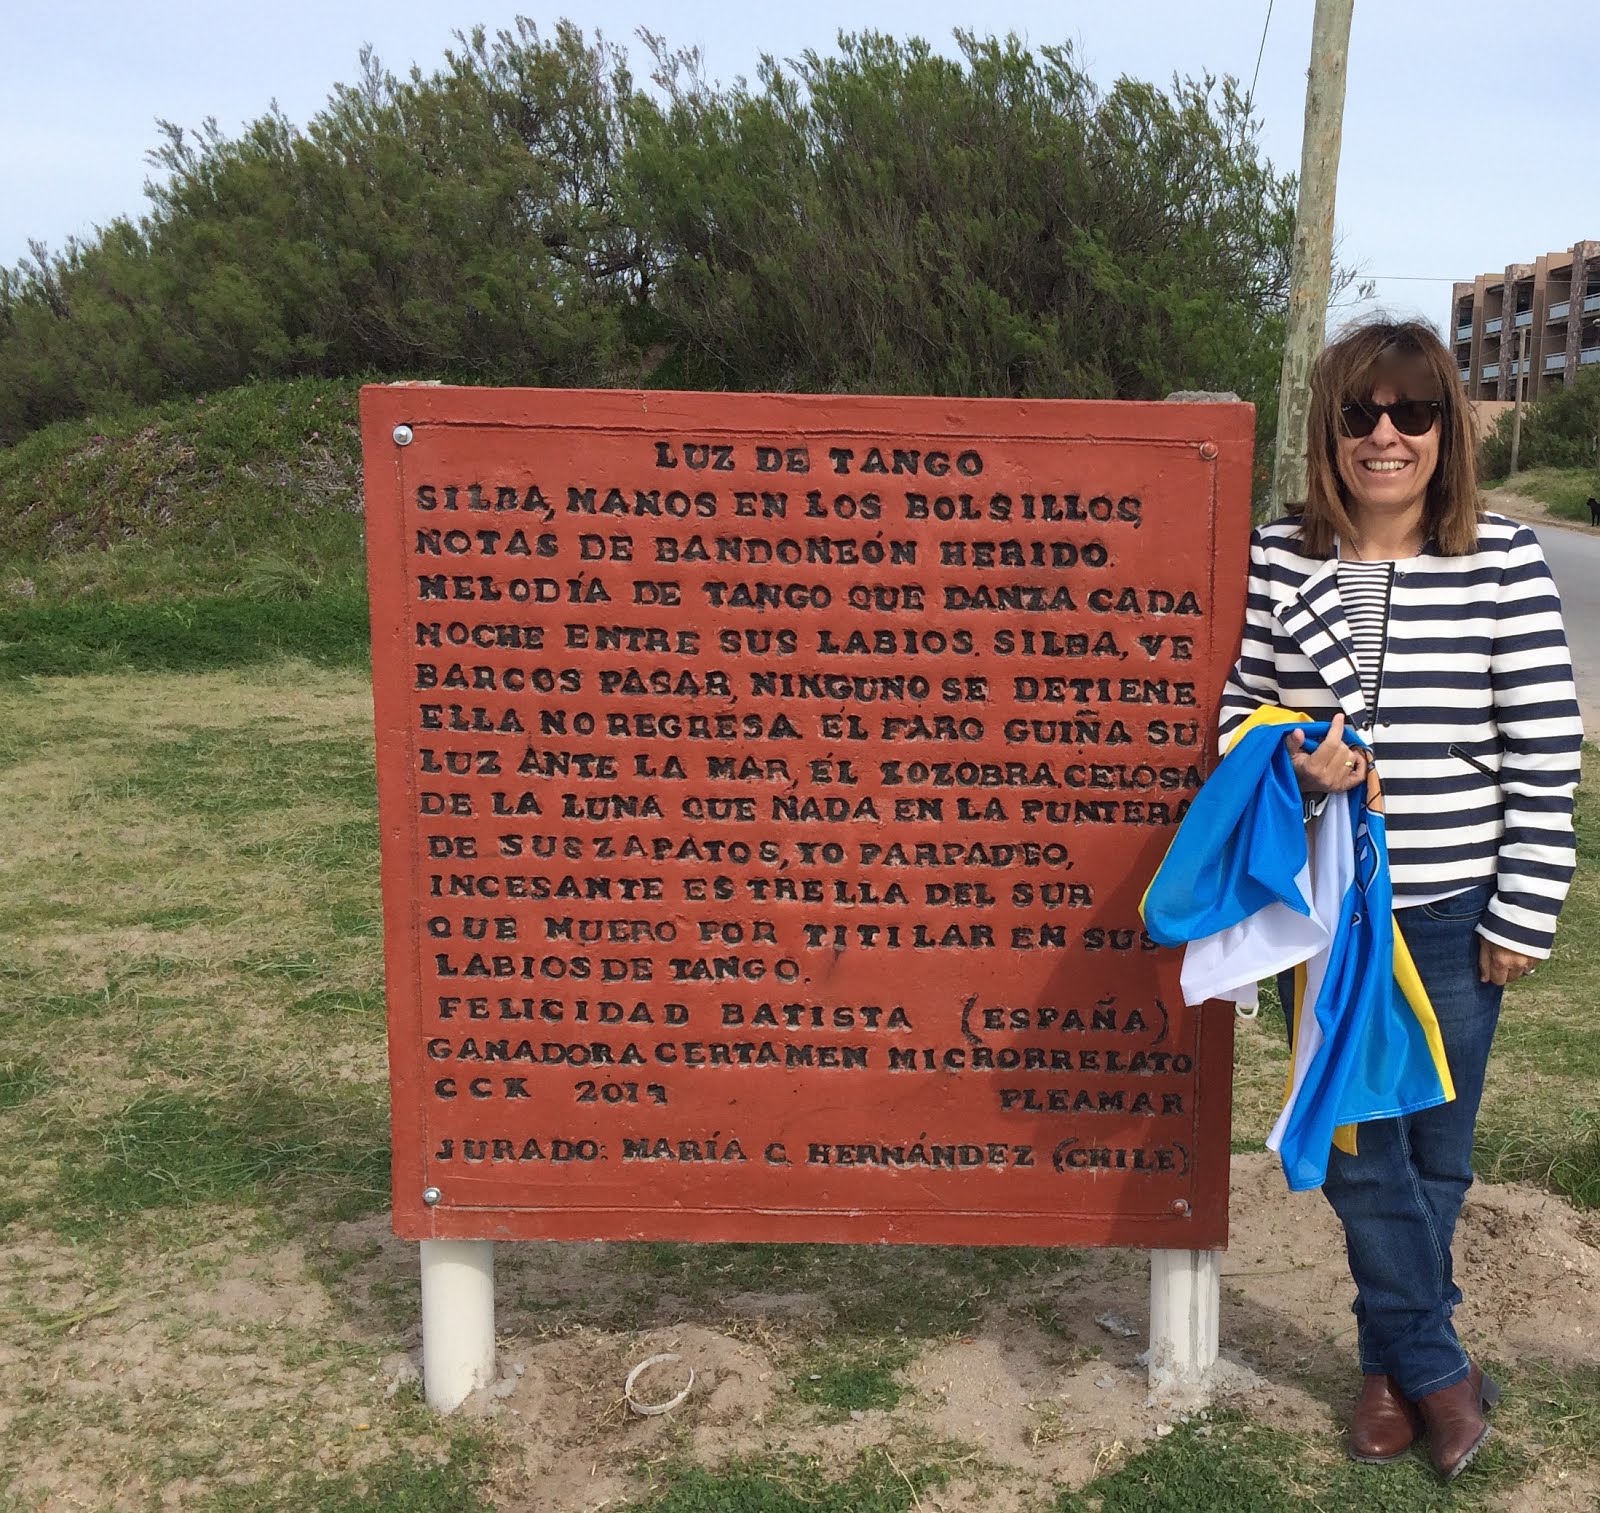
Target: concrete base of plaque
{"x": 1185, "y": 1306}
{"x": 457, "y": 1320}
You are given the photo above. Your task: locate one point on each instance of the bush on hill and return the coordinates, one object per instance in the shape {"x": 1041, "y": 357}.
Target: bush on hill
{"x": 881, "y": 219}
{"x": 1559, "y": 430}
{"x": 889, "y": 220}
{"x": 441, "y": 226}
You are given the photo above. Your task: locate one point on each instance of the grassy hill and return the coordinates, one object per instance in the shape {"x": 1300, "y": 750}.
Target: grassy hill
{"x": 203, "y": 532}
{"x": 1565, "y": 491}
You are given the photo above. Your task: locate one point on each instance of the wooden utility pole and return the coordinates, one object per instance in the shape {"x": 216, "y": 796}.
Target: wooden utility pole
{"x": 1311, "y": 266}
{"x": 1521, "y": 376}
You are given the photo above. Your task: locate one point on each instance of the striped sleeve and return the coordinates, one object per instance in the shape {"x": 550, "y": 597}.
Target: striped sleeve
{"x": 1254, "y": 679}
{"x": 1541, "y": 736}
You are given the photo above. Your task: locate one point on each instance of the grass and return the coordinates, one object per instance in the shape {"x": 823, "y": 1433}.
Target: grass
{"x": 1260, "y": 1058}
{"x": 26, "y": 1001}
{"x": 247, "y": 1143}
{"x": 1565, "y": 490}
{"x": 874, "y": 1293}
{"x": 248, "y": 480}
{"x": 143, "y": 942}
{"x": 1563, "y": 1157}
{"x": 853, "y": 1380}
{"x": 1540, "y": 1121}
{"x": 182, "y": 635}
{"x": 222, "y": 775}
{"x": 1556, "y": 1411}
{"x": 332, "y": 1003}
{"x": 1231, "y": 1464}
{"x": 22, "y": 1078}
{"x": 193, "y": 1003}
{"x": 217, "y": 532}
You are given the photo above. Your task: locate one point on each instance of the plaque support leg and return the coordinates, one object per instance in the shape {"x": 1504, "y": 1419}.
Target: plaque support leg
{"x": 457, "y": 1320}
{"x": 1185, "y": 1302}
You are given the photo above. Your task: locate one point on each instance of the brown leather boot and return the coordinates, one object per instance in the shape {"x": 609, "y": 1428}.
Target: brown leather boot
{"x": 1453, "y": 1420}
{"x": 1487, "y": 1388}
{"x": 1384, "y": 1425}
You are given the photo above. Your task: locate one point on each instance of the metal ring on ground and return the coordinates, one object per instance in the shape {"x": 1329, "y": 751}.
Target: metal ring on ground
{"x": 651, "y": 1410}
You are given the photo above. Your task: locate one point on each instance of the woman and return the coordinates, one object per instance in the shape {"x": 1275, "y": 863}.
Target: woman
{"x": 1393, "y": 604}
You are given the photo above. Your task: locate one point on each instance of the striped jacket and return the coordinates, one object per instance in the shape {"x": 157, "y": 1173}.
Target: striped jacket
{"x": 1476, "y": 731}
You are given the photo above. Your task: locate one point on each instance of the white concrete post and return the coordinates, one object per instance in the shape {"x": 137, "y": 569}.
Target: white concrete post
{"x": 457, "y": 1320}
{"x": 1185, "y": 1304}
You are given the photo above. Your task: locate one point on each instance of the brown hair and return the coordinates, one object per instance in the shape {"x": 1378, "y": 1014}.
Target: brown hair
{"x": 1409, "y": 356}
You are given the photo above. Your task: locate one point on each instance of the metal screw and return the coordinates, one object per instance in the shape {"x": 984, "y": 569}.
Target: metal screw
{"x": 403, "y": 435}
{"x": 1180, "y": 1206}
{"x": 1208, "y": 450}
{"x": 431, "y": 1195}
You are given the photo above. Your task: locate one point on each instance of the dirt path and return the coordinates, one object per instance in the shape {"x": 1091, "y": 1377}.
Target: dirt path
{"x": 1505, "y": 501}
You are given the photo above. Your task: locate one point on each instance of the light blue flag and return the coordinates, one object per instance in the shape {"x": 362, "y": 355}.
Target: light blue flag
{"x": 1244, "y": 888}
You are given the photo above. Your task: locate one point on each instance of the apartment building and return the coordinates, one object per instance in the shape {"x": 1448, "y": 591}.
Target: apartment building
{"x": 1548, "y": 309}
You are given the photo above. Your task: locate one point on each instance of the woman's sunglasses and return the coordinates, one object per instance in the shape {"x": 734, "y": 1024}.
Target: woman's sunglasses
{"x": 1410, "y": 417}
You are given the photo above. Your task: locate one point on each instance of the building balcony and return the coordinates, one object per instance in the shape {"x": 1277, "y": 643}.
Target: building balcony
{"x": 1591, "y": 302}
{"x": 1524, "y": 318}
{"x": 1464, "y": 332}
{"x": 1492, "y": 370}
{"x": 1560, "y": 310}
{"x": 1465, "y": 374}
{"x": 1555, "y": 362}
{"x": 1492, "y": 327}
{"x": 1589, "y": 354}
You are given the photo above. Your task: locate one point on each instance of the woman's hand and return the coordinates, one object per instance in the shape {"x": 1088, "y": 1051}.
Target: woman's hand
{"x": 1498, "y": 965}
{"x": 1333, "y": 767}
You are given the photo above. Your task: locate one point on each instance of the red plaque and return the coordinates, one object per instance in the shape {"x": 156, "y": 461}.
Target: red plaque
{"x": 768, "y": 785}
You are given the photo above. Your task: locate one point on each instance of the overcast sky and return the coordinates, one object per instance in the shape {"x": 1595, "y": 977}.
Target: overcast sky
{"x": 1469, "y": 139}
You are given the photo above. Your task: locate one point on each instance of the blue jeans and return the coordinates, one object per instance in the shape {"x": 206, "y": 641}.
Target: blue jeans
{"x": 1400, "y": 1195}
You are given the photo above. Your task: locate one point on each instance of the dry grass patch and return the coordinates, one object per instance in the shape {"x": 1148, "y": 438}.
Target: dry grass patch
{"x": 226, "y": 1366}
{"x": 172, "y": 820}
{"x": 191, "y": 858}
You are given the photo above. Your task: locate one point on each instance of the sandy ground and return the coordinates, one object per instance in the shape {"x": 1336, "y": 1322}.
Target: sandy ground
{"x": 1045, "y": 1393}
{"x": 1034, "y": 1401}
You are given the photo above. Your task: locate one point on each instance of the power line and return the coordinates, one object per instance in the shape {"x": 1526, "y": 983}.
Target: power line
{"x": 1251, "y": 94}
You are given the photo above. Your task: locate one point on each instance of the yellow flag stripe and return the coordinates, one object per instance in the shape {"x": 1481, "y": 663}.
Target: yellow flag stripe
{"x": 1406, "y": 974}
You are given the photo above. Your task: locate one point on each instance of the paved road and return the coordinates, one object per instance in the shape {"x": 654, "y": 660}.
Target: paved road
{"x": 1574, "y": 557}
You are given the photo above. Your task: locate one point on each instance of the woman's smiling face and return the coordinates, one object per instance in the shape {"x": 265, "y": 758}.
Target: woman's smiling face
{"x": 1387, "y": 472}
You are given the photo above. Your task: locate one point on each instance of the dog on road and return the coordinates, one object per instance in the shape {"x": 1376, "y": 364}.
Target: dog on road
{"x": 1594, "y": 510}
